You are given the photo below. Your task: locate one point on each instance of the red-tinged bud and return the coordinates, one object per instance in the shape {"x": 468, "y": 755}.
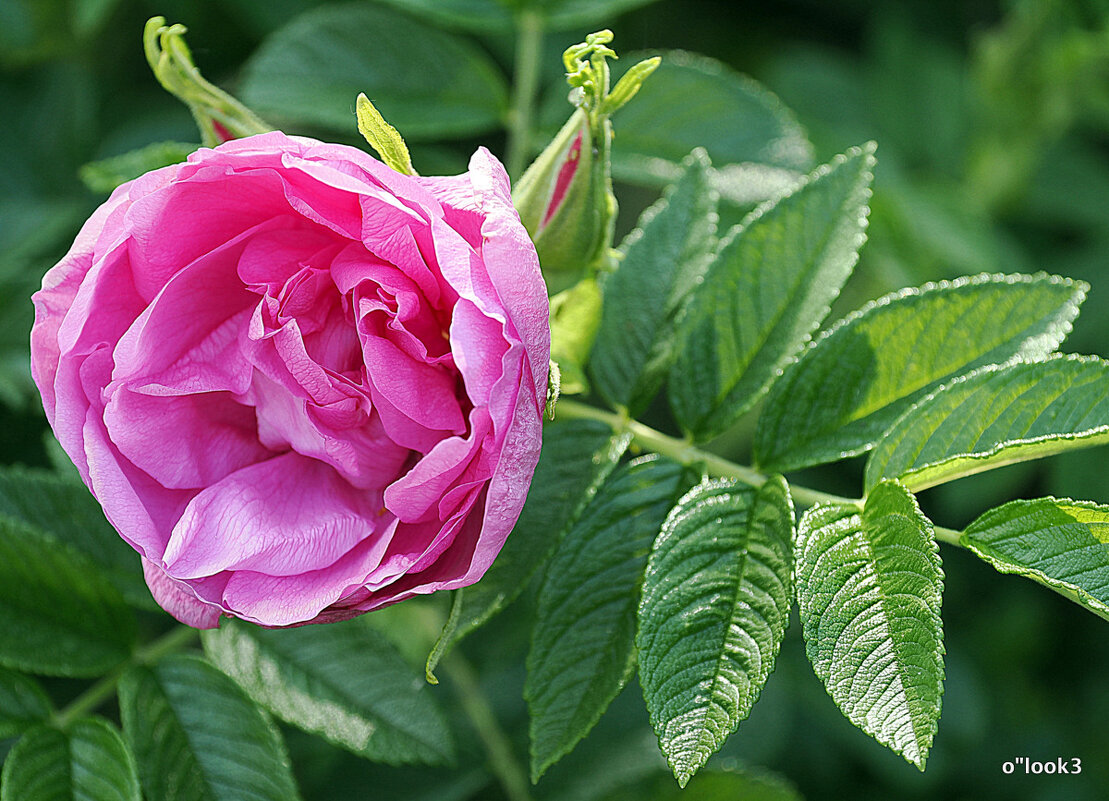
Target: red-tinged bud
{"x": 219, "y": 116}
{"x": 565, "y": 197}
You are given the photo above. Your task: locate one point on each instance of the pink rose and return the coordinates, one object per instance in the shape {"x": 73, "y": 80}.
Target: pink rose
{"x": 302, "y": 385}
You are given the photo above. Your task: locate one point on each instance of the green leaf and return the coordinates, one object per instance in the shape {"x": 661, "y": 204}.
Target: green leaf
{"x": 87, "y": 762}
{"x": 715, "y": 605}
{"x": 994, "y": 417}
{"x": 577, "y": 457}
{"x": 869, "y": 586}
{"x": 67, "y": 511}
{"x": 426, "y": 82}
{"x": 489, "y": 16}
{"x": 197, "y": 737}
{"x": 712, "y": 785}
{"x": 60, "y": 616}
{"x": 342, "y": 681}
{"x": 663, "y": 258}
{"x": 1061, "y": 543}
{"x": 582, "y": 650}
{"x": 850, "y": 385}
{"x": 768, "y": 288}
{"x": 23, "y": 703}
{"x": 105, "y": 175}
{"x": 733, "y": 117}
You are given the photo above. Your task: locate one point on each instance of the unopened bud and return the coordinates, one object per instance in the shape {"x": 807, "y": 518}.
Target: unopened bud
{"x": 219, "y": 116}
{"x": 565, "y": 197}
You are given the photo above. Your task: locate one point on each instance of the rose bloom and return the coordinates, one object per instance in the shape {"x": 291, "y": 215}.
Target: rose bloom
{"x": 302, "y": 385}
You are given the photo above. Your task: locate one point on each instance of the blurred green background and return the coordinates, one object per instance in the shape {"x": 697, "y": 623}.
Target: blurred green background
{"x": 992, "y": 120}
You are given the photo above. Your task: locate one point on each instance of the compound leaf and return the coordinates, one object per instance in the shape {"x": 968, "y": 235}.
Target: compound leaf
{"x": 766, "y": 291}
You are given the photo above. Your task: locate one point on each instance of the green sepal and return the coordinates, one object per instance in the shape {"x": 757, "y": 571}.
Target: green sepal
{"x": 382, "y": 136}
{"x": 575, "y": 319}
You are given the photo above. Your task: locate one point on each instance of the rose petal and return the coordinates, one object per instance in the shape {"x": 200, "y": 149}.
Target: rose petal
{"x": 285, "y": 516}
{"x": 190, "y": 441}
{"x": 177, "y": 599}
{"x": 411, "y": 496}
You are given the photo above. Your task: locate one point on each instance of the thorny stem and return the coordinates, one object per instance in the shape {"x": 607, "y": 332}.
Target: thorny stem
{"x": 529, "y": 51}
{"x": 684, "y": 452}
{"x": 105, "y": 688}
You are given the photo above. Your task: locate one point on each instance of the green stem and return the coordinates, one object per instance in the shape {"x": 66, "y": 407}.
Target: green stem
{"x": 684, "y": 452}
{"x": 498, "y": 749}
{"x": 529, "y": 51}
{"x": 105, "y": 688}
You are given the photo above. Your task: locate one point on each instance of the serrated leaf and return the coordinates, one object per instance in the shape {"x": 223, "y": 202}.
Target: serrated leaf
{"x": 197, "y": 736}
{"x": 577, "y": 457}
{"x": 87, "y": 762}
{"x": 869, "y": 587}
{"x": 59, "y": 615}
{"x": 1058, "y": 542}
{"x": 996, "y": 416}
{"x": 715, "y": 605}
{"x": 663, "y": 258}
{"x": 426, "y": 82}
{"x": 693, "y": 101}
{"x": 23, "y": 703}
{"x": 105, "y": 175}
{"x": 582, "y": 650}
{"x": 67, "y": 511}
{"x": 851, "y": 384}
{"x": 768, "y": 288}
{"x": 486, "y": 16}
{"x": 342, "y": 681}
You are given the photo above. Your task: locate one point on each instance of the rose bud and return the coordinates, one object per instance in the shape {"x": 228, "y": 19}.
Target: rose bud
{"x": 301, "y": 384}
{"x": 565, "y": 197}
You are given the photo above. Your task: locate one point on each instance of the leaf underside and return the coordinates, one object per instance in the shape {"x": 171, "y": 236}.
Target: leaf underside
{"x": 1056, "y": 541}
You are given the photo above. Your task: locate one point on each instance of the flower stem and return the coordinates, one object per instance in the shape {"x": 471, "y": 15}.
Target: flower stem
{"x": 684, "y": 452}
{"x": 529, "y": 51}
{"x": 498, "y": 749}
{"x": 105, "y": 688}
